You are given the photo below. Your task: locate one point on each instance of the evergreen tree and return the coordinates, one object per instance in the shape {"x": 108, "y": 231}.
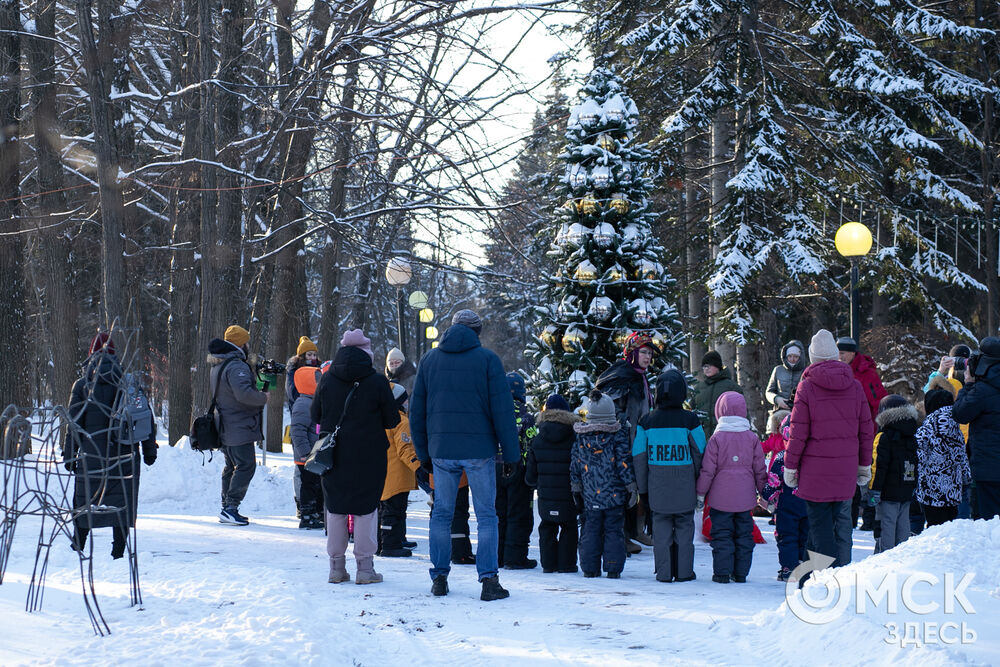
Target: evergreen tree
{"x": 609, "y": 281}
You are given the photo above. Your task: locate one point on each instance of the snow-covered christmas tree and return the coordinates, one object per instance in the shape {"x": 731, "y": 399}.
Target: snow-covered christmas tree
{"x": 609, "y": 281}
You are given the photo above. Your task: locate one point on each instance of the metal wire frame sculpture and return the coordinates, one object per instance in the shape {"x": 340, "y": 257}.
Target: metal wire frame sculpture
{"x": 66, "y": 467}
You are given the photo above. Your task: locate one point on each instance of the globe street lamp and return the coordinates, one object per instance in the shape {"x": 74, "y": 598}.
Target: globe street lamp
{"x": 397, "y": 273}
{"x": 854, "y": 240}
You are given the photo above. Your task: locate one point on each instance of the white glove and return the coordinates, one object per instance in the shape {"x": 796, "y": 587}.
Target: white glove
{"x": 700, "y": 505}
{"x": 864, "y": 475}
{"x": 791, "y": 476}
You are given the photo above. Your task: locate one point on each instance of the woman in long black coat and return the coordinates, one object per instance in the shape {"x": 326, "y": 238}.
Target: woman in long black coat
{"x": 354, "y": 485}
{"x": 106, "y": 487}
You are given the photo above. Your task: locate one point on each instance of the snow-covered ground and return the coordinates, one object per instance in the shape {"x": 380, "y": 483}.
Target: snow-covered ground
{"x": 214, "y": 594}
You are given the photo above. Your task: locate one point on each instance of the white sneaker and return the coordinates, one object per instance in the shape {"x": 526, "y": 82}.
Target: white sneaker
{"x": 232, "y": 517}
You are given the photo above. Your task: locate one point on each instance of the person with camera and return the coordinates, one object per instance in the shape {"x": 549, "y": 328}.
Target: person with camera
{"x": 785, "y": 377}
{"x": 951, "y": 368}
{"x": 978, "y": 405}
{"x": 240, "y": 417}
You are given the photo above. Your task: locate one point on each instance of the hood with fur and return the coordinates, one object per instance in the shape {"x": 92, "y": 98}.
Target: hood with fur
{"x": 557, "y": 417}
{"x": 905, "y": 419}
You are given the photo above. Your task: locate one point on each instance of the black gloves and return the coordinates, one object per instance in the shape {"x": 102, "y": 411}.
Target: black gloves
{"x": 644, "y": 497}
{"x": 427, "y": 467}
{"x": 578, "y": 501}
{"x": 508, "y": 470}
{"x": 149, "y": 452}
{"x": 633, "y": 495}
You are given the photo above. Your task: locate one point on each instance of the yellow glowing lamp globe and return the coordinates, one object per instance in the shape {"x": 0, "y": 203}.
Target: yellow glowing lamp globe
{"x": 431, "y": 333}
{"x": 426, "y": 315}
{"x": 853, "y": 239}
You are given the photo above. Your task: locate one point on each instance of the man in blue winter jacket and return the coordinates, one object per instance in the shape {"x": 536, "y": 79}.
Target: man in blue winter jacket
{"x": 460, "y": 410}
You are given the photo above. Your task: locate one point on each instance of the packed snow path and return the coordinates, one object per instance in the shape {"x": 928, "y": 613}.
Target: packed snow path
{"x": 258, "y": 595}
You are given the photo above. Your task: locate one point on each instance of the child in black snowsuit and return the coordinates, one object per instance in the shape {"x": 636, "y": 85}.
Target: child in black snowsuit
{"x": 895, "y": 477}
{"x": 791, "y": 524}
{"x": 515, "y": 499}
{"x": 603, "y": 484}
{"x": 548, "y": 471}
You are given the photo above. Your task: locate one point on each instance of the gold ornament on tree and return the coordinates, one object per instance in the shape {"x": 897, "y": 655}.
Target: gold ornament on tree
{"x": 573, "y": 339}
{"x": 605, "y": 142}
{"x": 550, "y": 335}
{"x": 586, "y": 272}
{"x": 619, "y": 204}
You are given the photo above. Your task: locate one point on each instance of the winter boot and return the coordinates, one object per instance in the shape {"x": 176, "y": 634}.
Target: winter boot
{"x": 395, "y": 553}
{"x": 315, "y": 522}
{"x": 338, "y": 573}
{"x": 721, "y": 578}
{"x": 526, "y": 564}
{"x": 683, "y": 579}
{"x": 408, "y": 544}
{"x": 739, "y": 578}
{"x": 614, "y": 575}
{"x": 644, "y": 539}
{"x": 591, "y": 575}
{"x": 784, "y": 574}
{"x": 632, "y": 548}
{"x": 366, "y": 572}
{"x": 492, "y": 590}
{"x": 468, "y": 559}
{"x": 439, "y": 586}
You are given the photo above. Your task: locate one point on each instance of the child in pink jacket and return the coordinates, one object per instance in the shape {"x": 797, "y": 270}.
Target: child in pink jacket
{"x": 732, "y": 472}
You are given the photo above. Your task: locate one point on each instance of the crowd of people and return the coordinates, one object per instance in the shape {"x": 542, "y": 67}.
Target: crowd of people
{"x": 633, "y": 465}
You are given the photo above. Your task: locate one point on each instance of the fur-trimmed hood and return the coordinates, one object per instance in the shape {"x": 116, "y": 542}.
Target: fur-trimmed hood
{"x": 220, "y": 350}
{"x": 582, "y": 427}
{"x": 895, "y": 416}
{"x": 558, "y": 417}
{"x": 942, "y": 382}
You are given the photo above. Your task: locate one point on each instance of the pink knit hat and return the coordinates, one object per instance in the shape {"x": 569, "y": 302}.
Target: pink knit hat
{"x": 357, "y": 338}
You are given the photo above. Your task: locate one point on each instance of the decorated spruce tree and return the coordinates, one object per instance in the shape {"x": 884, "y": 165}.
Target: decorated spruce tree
{"x": 608, "y": 280}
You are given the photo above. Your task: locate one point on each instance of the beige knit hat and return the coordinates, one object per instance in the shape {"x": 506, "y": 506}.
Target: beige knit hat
{"x": 823, "y": 347}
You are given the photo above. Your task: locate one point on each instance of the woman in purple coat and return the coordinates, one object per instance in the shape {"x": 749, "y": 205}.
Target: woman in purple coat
{"x": 830, "y": 447}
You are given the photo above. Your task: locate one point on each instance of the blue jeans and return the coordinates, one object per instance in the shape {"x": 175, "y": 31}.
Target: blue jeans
{"x": 482, "y": 482}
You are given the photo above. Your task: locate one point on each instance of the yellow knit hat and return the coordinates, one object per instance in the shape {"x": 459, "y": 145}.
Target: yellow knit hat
{"x": 237, "y": 335}
{"x": 306, "y": 345}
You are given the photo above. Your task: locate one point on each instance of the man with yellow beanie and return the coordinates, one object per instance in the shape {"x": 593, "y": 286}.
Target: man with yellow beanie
{"x": 306, "y": 354}
{"x": 239, "y": 415}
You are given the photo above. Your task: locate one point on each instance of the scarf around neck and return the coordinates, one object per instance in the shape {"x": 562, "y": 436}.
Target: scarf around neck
{"x": 730, "y": 424}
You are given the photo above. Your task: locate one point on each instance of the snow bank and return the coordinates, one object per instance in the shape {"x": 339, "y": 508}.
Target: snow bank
{"x": 183, "y": 480}
{"x": 915, "y": 578}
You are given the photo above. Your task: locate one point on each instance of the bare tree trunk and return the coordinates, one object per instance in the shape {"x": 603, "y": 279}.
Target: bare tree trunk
{"x": 718, "y": 176}
{"x": 111, "y": 202}
{"x": 13, "y": 322}
{"x": 184, "y": 211}
{"x": 695, "y": 266}
{"x": 59, "y": 318}
{"x": 228, "y": 249}
{"x": 210, "y": 320}
{"x": 330, "y": 308}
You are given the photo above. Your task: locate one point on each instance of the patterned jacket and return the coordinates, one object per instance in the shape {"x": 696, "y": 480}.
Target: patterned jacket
{"x": 601, "y": 466}
{"x": 943, "y": 463}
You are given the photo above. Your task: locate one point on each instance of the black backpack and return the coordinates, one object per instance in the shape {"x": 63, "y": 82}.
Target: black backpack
{"x": 204, "y": 432}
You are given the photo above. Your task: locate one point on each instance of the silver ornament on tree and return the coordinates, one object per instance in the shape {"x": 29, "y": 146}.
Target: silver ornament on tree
{"x": 604, "y": 235}
{"x": 601, "y": 309}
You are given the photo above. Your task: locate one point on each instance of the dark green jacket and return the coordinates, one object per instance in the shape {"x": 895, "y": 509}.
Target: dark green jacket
{"x": 707, "y": 392}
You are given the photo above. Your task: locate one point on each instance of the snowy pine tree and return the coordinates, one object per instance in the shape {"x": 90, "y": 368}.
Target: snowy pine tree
{"x": 609, "y": 281}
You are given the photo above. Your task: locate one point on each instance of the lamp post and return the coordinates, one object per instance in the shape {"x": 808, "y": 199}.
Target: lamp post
{"x": 417, "y": 301}
{"x": 397, "y": 273}
{"x": 854, "y": 240}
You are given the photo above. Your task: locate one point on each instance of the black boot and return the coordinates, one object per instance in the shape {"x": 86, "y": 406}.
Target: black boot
{"x": 492, "y": 590}
{"x": 439, "y": 586}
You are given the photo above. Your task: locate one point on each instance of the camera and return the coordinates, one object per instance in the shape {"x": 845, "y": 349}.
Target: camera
{"x": 960, "y": 364}
{"x": 270, "y": 367}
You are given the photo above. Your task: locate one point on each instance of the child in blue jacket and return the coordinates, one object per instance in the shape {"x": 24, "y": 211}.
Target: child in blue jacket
{"x": 603, "y": 483}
